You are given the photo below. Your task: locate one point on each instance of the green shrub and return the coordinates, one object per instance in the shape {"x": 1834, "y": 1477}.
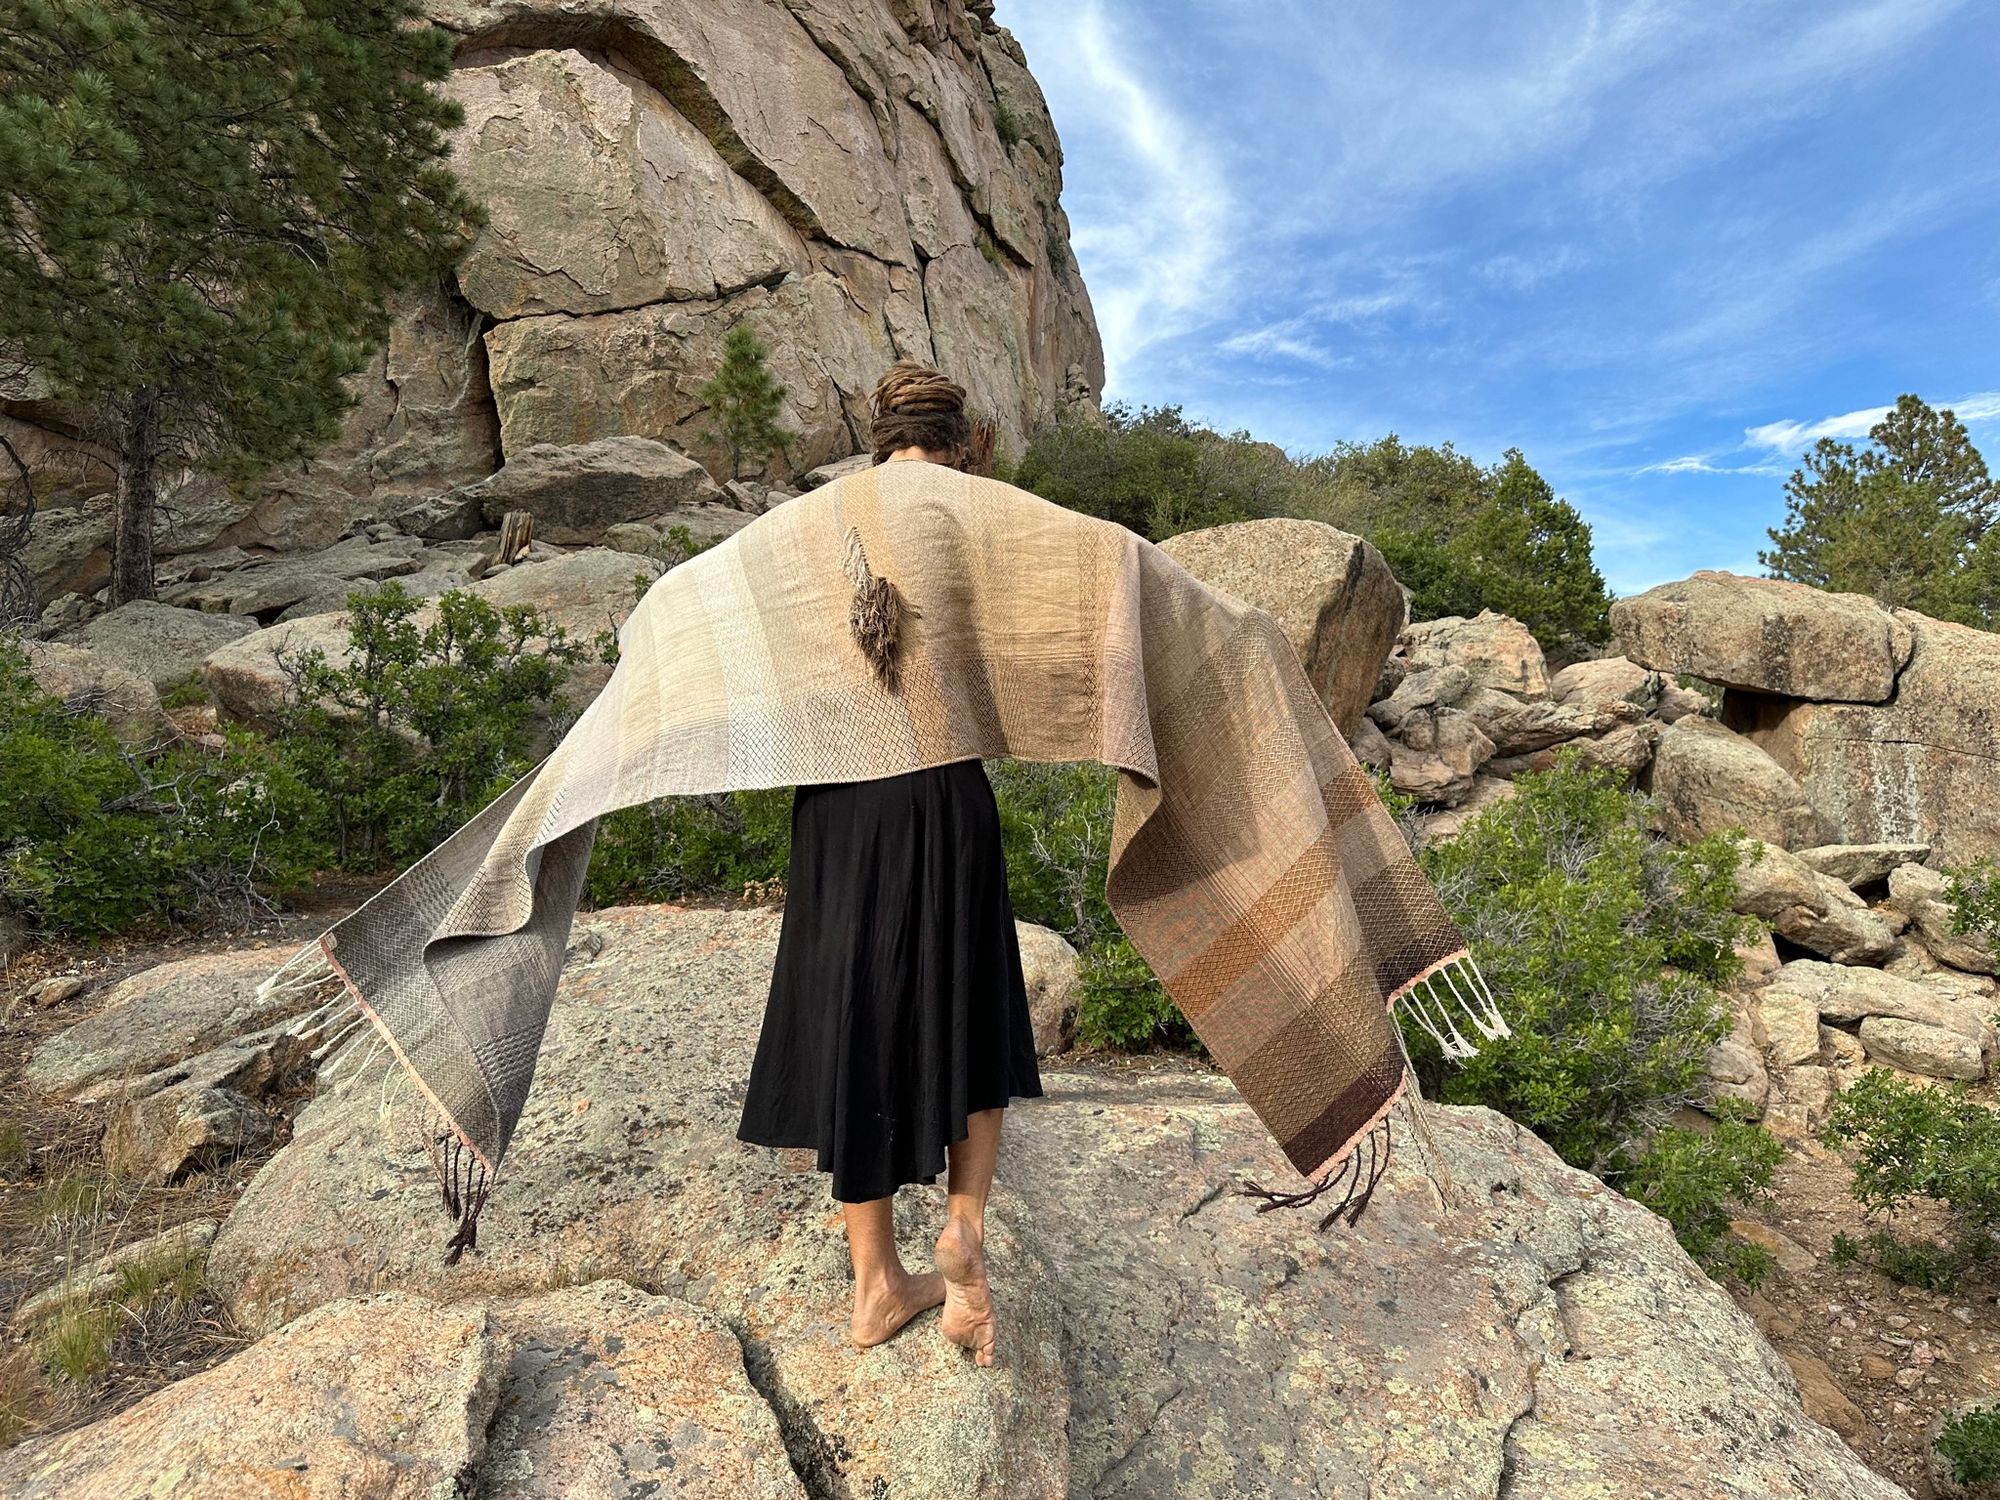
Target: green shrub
{"x": 1055, "y": 826}
{"x": 1920, "y": 1141}
{"x": 1973, "y": 894}
{"x": 424, "y": 724}
{"x": 1605, "y": 946}
{"x": 1689, "y": 1177}
{"x": 1916, "y": 1142}
{"x": 1005, "y": 125}
{"x": 1521, "y": 552}
{"x": 1909, "y": 1262}
{"x": 683, "y": 847}
{"x": 1970, "y": 1444}
{"x": 99, "y": 837}
{"x": 1121, "y": 1003}
{"x": 1157, "y": 473}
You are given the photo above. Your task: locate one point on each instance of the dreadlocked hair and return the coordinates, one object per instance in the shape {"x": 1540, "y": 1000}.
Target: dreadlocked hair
{"x": 916, "y": 406}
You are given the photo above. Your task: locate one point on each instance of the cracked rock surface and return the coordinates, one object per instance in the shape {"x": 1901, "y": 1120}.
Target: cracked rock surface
{"x": 1544, "y": 1337}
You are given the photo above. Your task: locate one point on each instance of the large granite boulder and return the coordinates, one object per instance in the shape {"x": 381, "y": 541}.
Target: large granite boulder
{"x": 158, "y": 1017}
{"x": 1332, "y": 593}
{"x": 1159, "y": 1337}
{"x": 90, "y": 681}
{"x": 575, "y": 490}
{"x": 1498, "y": 651}
{"x": 1607, "y": 677}
{"x": 382, "y": 1398}
{"x": 1708, "y": 779}
{"x": 1919, "y": 769}
{"x": 1765, "y": 635}
{"x": 583, "y": 592}
{"x": 163, "y": 644}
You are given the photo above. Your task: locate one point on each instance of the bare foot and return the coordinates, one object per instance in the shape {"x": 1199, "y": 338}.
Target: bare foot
{"x": 968, "y": 1306}
{"x": 879, "y": 1313}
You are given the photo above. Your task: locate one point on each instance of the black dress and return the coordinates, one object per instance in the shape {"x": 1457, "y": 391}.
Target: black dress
{"x": 897, "y": 1004}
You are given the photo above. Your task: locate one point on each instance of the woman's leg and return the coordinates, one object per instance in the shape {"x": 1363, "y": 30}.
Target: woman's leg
{"x": 885, "y": 1295}
{"x": 968, "y": 1306}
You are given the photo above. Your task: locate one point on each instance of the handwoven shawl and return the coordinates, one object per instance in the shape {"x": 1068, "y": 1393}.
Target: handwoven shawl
{"x": 1252, "y": 862}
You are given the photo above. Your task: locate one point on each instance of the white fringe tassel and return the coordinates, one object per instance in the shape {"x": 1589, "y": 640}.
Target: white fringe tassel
{"x": 1438, "y": 1003}
{"x": 1452, "y": 992}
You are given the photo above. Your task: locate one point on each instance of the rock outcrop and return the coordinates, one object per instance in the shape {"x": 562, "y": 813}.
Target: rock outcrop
{"x": 1543, "y": 1336}
{"x": 1766, "y": 636}
{"x": 857, "y": 180}
{"x": 1922, "y": 768}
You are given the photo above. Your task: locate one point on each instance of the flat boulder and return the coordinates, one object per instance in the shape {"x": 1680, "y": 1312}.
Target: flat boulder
{"x": 575, "y": 490}
{"x": 1918, "y": 770}
{"x": 159, "y": 642}
{"x": 1861, "y": 864}
{"x": 270, "y": 586}
{"x": 1765, "y": 635}
{"x": 1708, "y": 779}
{"x": 376, "y": 1398}
{"x": 159, "y": 1017}
{"x": 1333, "y": 595}
{"x": 1934, "y": 1051}
{"x": 1536, "y": 1329}
{"x": 1499, "y": 652}
{"x": 583, "y": 592}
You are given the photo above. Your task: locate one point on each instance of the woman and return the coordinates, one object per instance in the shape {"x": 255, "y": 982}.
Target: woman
{"x": 897, "y": 1026}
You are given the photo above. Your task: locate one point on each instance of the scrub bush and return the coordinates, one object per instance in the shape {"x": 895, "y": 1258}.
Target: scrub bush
{"x": 424, "y": 723}
{"x": 1922, "y": 1142}
{"x": 1970, "y": 1444}
{"x": 99, "y": 837}
{"x": 1605, "y": 946}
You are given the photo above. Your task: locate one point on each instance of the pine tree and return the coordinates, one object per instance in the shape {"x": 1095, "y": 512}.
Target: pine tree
{"x": 1908, "y": 519}
{"x": 207, "y": 205}
{"x": 744, "y": 400}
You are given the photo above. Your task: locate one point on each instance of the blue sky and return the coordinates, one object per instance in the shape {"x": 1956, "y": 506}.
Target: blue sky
{"x": 1659, "y": 247}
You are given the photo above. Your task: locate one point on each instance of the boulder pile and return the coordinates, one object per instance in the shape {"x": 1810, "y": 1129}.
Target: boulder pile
{"x": 1852, "y": 743}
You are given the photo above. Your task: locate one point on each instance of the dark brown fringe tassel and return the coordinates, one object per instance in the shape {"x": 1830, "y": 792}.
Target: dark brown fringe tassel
{"x": 1358, "y": 1191}
{"x": 462, "y": 1188}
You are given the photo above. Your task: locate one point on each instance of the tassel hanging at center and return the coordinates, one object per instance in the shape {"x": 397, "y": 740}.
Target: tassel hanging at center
{"x": 463, "y": 1186}
{"x": 875, "y": 614}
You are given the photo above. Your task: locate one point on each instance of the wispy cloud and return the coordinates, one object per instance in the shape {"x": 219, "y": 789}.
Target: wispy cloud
{"x": 1153, "y": 260}
{"x": 1287, "y": 340}
{"x": 1796, "y": 437}
{"x": 1695, "y": 463}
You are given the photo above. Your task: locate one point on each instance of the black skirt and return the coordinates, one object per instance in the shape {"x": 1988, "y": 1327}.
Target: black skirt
{"x": 897, "y": 1003}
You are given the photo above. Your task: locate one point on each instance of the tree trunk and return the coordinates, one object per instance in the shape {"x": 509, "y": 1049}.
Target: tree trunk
{"x": 137, "y": 500}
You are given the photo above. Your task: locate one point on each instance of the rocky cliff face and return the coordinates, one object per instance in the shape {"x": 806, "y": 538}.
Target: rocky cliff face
{"x": 858, "y": 179}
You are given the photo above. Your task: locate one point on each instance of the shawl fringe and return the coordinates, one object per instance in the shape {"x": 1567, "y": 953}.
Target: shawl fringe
{"x": 1439, "y": 999}
{"x": 341, "y": 1019}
